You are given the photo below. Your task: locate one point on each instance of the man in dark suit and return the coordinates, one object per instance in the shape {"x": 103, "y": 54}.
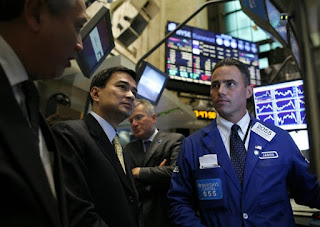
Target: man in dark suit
{"x": 37, "y": 41}
{"x": 100, "y": 186}
{"x": 153, "y": 156}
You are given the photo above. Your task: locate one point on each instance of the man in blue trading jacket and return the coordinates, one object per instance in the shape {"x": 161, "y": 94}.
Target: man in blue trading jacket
{"x": 210, "y": 188}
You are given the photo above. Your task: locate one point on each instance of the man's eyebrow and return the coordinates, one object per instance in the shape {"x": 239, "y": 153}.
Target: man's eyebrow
{"x": 126, "y": 83}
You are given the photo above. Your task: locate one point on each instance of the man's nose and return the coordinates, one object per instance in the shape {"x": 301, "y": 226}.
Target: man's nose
{"x": 131, "y": 95}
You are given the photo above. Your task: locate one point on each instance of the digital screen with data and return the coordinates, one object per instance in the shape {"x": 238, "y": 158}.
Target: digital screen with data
{"x": 191, "y": 54}
{"x": 281, "y": 104}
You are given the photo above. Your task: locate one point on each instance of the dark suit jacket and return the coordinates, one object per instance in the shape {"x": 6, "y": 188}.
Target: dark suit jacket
{"x": 154, "y": 181}
{"x": 99, "y": 193}
{"x": 25, "y": 195}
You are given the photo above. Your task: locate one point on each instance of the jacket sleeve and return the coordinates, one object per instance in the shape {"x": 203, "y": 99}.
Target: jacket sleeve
{"x": 303, "y": 186}
{"x": 71, "y": 141}
{"x": 182, "y": 194}
{"x": 162, "y": 174}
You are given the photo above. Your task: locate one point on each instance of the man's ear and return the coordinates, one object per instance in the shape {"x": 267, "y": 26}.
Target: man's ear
{"x": 154, "y": 118}
{"x": 249, "y": 90}
{"x": 32, "y": 13}
{"x": 94, "y": 93}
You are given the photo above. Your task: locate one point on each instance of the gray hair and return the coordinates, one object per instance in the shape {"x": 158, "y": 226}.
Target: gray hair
{"x": 147, "y": 106}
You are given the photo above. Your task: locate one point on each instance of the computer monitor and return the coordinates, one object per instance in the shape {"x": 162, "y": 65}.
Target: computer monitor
{"x": 281, "y": 104}
{"x": 266, "y": 14}
{"x": 97, "y": 42}
{"x": 151, "y": 83}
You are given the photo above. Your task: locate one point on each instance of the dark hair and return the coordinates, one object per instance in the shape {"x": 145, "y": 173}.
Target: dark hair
{"x": 11, "y": 9}
{"x": 234, "y": 62}
{"x": 101, "y": 78}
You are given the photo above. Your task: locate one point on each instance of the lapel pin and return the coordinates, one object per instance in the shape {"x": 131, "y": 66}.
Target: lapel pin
{"x": 258, "y": 147}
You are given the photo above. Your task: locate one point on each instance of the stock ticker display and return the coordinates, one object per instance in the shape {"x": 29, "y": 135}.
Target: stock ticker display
{"x": 281, "y": 104}
{"x": 191, "y": 54}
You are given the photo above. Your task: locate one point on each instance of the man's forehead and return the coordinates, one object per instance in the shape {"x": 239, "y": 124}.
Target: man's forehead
{"x": 226, "y": 73}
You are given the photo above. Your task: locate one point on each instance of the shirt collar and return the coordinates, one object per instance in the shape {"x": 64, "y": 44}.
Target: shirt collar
{"x": 11, "y": 64}
{"x": 225, "y": 125}
{"x": 153, "y": 135}
{"x": 107, "y": 128}
{"x": 244, "y": 123}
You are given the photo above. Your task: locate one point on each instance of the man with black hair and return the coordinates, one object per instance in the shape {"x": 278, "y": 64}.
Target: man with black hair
{"x": 100, "y": 185}
{"x": 38, "y": 38}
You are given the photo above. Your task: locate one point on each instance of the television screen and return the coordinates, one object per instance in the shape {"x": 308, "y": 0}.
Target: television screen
{"x": 281, "y": 104}
{"x": 151, "y": 83}
{"x": 191, "y": 54}
{"x": 274, "y": 20}
{"x": 97, "y": 42}
{"x": 256, "y": 7}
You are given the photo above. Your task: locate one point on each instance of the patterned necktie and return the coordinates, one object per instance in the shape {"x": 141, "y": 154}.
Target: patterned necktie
{"x": 118, "y": 149}
{"x": 237, "y": 152}
{"x": 147, "y": 144}
{"x": 32, "y": 106}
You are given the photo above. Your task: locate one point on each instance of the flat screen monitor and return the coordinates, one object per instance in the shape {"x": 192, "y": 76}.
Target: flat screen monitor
{"x": 97, "y": 42}
{"x": 151, "y": 83}
{"x": 191, "y": 54}
{"x": 275, "y": 22}
{"x": 257, "y": 7}
{"x": 281, "y": 104}
{"x": 267, "y": 16}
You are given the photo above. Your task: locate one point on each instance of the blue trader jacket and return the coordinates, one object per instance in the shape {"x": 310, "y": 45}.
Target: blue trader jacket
{"x": 214, "y": 196}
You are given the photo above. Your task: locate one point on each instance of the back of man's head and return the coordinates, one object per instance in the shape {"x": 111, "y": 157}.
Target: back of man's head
{"x": 12, "y": 9}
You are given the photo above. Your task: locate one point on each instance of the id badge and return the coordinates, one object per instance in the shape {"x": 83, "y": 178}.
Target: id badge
{"x": 209, "y": 189}
{"x": 210, "y": 184}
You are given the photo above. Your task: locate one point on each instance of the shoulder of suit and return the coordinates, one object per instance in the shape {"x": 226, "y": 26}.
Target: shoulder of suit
{"x": 167, "y": 133}
{"x": 73, "y": 125}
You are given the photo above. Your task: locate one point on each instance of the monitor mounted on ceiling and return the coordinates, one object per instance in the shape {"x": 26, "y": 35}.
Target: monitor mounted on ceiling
{"x": 97, "y": 42}
{"x": 152, "y": 82}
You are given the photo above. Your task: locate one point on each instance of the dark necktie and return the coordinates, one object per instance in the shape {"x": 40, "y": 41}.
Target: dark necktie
{"x": 237, "y": 152}
{"x": 147, "y": 144}
{"x": 32, "y": 105}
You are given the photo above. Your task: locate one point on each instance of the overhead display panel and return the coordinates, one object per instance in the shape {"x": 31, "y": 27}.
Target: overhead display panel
{"x": 191, "y": 54}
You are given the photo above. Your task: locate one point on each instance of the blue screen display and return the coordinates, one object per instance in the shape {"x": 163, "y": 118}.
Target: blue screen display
{"x": 281, "y": 104}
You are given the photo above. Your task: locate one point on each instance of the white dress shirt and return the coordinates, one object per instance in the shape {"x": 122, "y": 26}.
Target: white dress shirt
{"x": 150, "y": 139}
{"x": 224, "y": 128}
{"x": 107, "y": 128}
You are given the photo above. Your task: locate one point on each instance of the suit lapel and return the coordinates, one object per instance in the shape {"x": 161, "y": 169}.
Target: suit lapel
{"x": 215, "y": 145}
{"x": 57, "y": 168}
{"x": 158, "y": 139}
{"x": 14, "y": 129}
{"x": 255, "y": 142}
{"x": 108, "y": 151}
